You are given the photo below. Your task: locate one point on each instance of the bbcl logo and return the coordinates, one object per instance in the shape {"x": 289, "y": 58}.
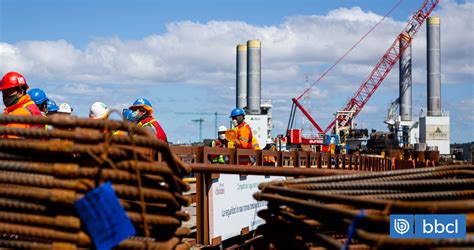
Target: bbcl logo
{"x": 428, "y": 226}
{"x": 401, "y": 226}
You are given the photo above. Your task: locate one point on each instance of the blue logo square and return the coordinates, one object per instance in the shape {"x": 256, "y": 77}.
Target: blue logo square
{"x": 402, "y": 226}
{"x": 440, "y": 226}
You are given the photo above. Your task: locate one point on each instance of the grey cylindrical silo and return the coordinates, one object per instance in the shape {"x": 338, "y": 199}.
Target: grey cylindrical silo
{"x": 434, "y": 66}
{"x": 405, "y": 82}
{"x": 253, "y": 76}
{"x": 241, "y": 71}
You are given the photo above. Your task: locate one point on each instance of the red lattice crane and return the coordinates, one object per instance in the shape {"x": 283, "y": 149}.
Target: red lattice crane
{"x": 378, "y": 74}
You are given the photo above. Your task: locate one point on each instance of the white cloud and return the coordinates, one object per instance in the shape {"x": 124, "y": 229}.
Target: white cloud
{"x": 204, "y": 54}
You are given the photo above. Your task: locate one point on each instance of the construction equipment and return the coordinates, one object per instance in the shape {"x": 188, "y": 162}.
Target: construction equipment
{"x": 368, "y": 88}
{"x": 200, "y": 121}
{"x": 215, "y": 114}
{"x": 391, "y": 115}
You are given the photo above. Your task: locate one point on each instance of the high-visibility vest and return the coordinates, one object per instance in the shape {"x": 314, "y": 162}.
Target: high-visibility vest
{"x": 217, "y": 158}
{"x": 155, "y": 126}
{"x": 118, "y": 132}
{"x": 245, "y": 137}
{"x": 26, "y": 107}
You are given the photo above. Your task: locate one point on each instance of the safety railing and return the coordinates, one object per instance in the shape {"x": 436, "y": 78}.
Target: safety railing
{"x": 246, "y": 162}
{"x": 295, "y": 159}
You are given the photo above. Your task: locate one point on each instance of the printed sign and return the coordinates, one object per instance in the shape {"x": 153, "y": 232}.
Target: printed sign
{"x": 232, "y": 206}
{"x": 437, "y": 132}
{"x": 104, "y": 217}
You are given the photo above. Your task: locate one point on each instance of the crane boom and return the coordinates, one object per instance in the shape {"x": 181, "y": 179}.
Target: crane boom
{"x": 386, "y": 63}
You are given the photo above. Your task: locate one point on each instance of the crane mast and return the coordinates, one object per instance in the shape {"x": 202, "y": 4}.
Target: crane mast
{"x": 386, "y": 63}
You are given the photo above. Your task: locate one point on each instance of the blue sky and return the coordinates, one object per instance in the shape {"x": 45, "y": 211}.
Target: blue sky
{"x": 181, "y": 55}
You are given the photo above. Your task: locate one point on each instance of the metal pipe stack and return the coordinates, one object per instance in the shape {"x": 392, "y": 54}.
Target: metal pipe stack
{"x": 241, "y": 69}
{"x": 434, "y": 66}
{"x": 253, "y": 76}
{"x": 405, "y": 77}
{"x": 44, "y": 172}
{"x": 353, "y": 211}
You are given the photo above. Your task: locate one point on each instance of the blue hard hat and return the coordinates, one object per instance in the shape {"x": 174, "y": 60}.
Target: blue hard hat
{"x": 237, "y": 112}
{"x": 38, "y": 96}
{"x": 142, "y": 102}
{"x": 52, "y": 106}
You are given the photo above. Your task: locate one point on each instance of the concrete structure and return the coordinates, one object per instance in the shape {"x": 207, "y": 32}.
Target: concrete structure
{"x": 241, "y": 76}
{"x": 253, "y": 77}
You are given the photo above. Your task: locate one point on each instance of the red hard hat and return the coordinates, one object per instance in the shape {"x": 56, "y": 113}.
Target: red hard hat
{"x": 11, "y": 80}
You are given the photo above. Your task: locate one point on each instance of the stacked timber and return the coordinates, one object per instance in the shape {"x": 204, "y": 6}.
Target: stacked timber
{"x": 353, "y": 211}
{"x": 44, "y": 173}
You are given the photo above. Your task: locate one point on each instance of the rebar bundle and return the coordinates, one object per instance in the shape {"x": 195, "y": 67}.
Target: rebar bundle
{"x": 43, "y": 172}
{"x": 353, "y": 211}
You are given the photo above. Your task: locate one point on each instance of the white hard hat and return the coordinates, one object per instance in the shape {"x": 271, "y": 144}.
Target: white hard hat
{"x": 222, "y": 129}
{"x": 65, "y": 108}
{"x": 98, "y": 111}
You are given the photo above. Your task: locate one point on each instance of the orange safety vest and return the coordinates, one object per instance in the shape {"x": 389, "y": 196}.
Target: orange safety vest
{"x": 25, "y": 107}
{"x": 245, "y": 139}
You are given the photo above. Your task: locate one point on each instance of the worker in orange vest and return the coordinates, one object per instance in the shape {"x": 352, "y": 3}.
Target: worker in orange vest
{"x": 16, "y": 100}
{"x": 245, "y": 138}
{"x": 267, "y": 159}
{"x": 142, "y": 113}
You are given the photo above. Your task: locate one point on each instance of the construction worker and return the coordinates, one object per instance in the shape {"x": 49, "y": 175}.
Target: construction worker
{"x": 39, "y": 97}
{"x": 52, "y": 107}
{"x": 142, "y": 113}
{"x": 65, "y": 109}
{"x": 100, "y": 111}
{"x": 245, "y": 139}
{"x": 221, "y": 142}
{"x": 16, "y": 100}
{"x": 267, "y": 159}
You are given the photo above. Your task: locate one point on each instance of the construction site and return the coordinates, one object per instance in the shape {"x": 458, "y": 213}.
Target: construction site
{"x": 79, "y": 185}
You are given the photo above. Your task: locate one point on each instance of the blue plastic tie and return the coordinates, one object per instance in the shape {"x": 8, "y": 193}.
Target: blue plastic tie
{"x": 104, "y": 217}
{"x": 352, "y": 229}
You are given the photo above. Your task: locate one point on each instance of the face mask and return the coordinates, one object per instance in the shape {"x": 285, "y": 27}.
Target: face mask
{"x": 222, "y": 136}
{"x": 134, "y": 117}
{"x": 235, "y": 123}
{"x": 10, "y": 100}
